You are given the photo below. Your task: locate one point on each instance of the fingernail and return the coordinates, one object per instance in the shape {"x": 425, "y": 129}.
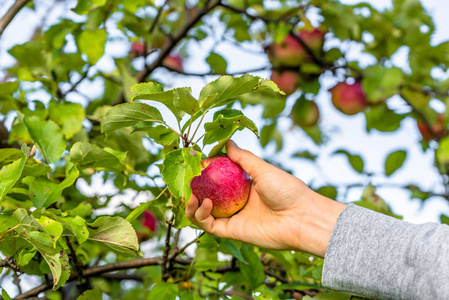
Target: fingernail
{"x": 233, "y": 144}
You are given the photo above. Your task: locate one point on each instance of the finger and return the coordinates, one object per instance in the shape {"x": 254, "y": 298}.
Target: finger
{"x": 191, "y": 208}
{"x": 252, "y": 164}
{"x": 209, "y": 224}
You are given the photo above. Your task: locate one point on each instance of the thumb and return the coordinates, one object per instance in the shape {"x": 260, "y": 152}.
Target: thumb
{"x": 252, "y": 164}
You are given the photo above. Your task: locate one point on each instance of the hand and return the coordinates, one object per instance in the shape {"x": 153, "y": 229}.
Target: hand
{"x": 282, "y": 213}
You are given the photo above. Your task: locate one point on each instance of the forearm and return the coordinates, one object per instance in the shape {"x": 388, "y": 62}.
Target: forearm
{"x": 373, "y": 255}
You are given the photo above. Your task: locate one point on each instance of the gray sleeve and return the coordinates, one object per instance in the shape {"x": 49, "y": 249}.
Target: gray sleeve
{"x": 377, "y": 256}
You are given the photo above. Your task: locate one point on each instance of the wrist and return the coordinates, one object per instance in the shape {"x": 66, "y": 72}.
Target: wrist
{"x": 317, "y": 223}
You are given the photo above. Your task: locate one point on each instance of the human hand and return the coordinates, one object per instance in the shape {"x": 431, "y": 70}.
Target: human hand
{"x": 282, "y": 213}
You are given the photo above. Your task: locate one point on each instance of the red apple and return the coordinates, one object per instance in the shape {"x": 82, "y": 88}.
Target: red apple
{"x": 314, "y": 39}
{"x": 137, "y": 49}
{"x": 149, "y": 221}
{"x": 305, "y": 113}
{"x": 291, "y": 53}
{"x": 174, "y": 62}
{"x": 225, "y": 183}
{"x": 286, "y": 80}
{"x": 438, "y": 128}
{"x": 288, "y": 52}
{"x": 349, "y": 98}
{"x": 147, "y": 226}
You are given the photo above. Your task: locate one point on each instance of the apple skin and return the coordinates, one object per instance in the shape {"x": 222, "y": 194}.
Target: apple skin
{"x": 305, "y": 113}
{"x": 286, "y": 80}
{"x": 147, "y": 226}
{"x": 174, "y": 62}
{"x": 290, "y": 52}
{"x": 225, "y": 183}
{"x": 349, "y": 98}
{"x": 438, "y": 128}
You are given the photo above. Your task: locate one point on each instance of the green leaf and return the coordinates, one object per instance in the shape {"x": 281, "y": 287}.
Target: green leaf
{"x": 442, "y": 153}
{"x": 226, "y": 123}
{"x": 115, "y": 233}
{"x": 87, "y": 155}
{"x": 181, "y": 219}
{"x": 273, "y": 102}
{"x": 76, "y": 225}
{"x": 151, "y": 91}
{"x": 65, "y": 271}
{"x": 253, "y": 269}
{"x": 52, "y": 227}
{"x": 394, "y": 161}
{"x": 380, "y": 83}
{"x": 92, "y": 43}
{"x": 270, "y": 133}
{"x": 229, "y": 247}
{"x": 263, "y": 293}
{"x": 381, "y": 118}
{"x": 52, "y": 256}
{"x": 444, "y": 219}
{"x": 147, "y": 88}
{"x": 136, "y": 212}
{"x": 43, "y": 192}
{"x": 217, "y": 63}
{"x": 48, "y": 137}
{"x": 184, "y": 101}
{"x": 355, "y": 161}
{"x": 162, "y": 135}
{"x": 94, "y": 294}
{"x": 164, "y": 291}
{"x": 127, "y": 79}
{"x": 69, "y": 116}
{"x": 178, "y": 169}
{"x": 226, "y": 89}
{"x": 129, "y": 114}
{"x": 5, "y": 295}
{"x": 9, "y": 174}
{"x": 84, "y": 210}
{"x": 305, "y": 154}
{"x": 206, "y": 258}
{"x": 328, "y": 191}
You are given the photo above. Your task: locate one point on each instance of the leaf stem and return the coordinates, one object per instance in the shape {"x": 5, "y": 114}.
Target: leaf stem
{"x": 197, "y": 127}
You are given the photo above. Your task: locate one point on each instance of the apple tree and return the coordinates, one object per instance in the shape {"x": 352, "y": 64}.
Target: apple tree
{"x": 107, "y": 108}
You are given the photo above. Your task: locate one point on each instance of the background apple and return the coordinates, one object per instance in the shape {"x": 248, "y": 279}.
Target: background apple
{"x": 305, "y": 113}
{"x": 225, "y": 183}
{"x": 146, "y": 226}
{"x": 291, "y": 53}
{"x": 286, "y": 80}
{"x": 349, "y": 98}
{"x": 174, "y": 62}
{"x": 438, "y": 127}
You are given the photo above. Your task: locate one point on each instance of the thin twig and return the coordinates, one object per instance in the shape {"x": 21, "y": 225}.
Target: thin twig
{"x": 168, "y": 46}
{"x": 165, "y": 273}
{"x": 11, "y": 13}
{"x": 179, "y": 251}
{"x": 99, "y": 270}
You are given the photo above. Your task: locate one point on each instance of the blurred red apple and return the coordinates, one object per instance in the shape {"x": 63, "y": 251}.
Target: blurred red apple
{"x": 174, "y": 62}
{"x": 225, "y": 183}
{"x": 438, "y": 128}
{"x": 305, "y": 113}
{"x": 291, "y": 53}
{"x": 137, "y": 49}
{"x": 147, "y": 226}
{"x": 348, "y": 98}
{"x": 286, "y": 80}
